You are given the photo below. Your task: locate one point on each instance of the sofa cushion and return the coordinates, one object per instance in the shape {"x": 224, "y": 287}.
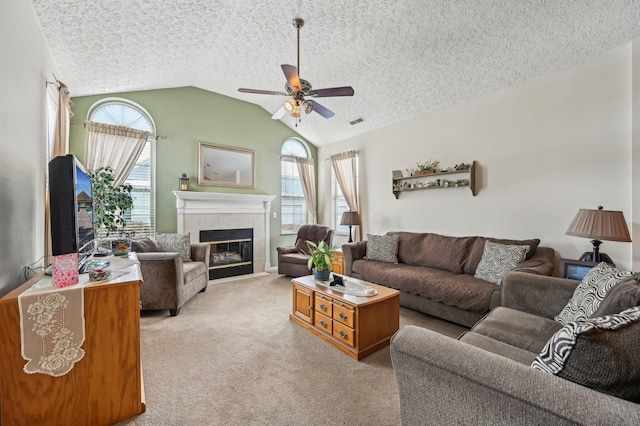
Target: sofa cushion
{"x": 499, "y": 348}
{"x": 382, "y": 248}
{"x": 590, "y": 292}
{"x": 461, "y": 291}
{"x": 477, "y": 249}
{"x": 144, "y": 245}
{"x": 600, "y": 353}
{"x": 622, "y": 296}
{"x": 193, "y": 270}
{"x": 517, "y": 328}
{"x": 176, "y": 243}
{"x": 497, "y": 260}
{"x": 433, "y": 250}
{"x": 297, "y": 258}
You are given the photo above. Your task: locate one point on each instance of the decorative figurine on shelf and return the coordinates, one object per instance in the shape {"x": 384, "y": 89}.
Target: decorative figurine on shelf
{"x": 462, "y": 167}
{"x": 427, "y": 168}
{"x": 438, "y": 182}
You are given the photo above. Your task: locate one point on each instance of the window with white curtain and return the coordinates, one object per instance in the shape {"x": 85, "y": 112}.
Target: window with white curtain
{"x": 293, "y": 207}
{"x": 338, "y": 206}
{"x": 122, "y": 112}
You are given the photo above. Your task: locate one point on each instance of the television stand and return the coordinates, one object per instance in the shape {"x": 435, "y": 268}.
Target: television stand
{"x": 103, "y": 388}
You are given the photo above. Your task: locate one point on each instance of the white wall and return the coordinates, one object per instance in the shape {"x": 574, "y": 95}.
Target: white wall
{"x": 544, "y": 150}
{"x": 26, "y": 64}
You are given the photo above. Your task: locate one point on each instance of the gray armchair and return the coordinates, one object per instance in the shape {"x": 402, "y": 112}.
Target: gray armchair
{"x": 292, "y": 261}
{"x": 169, "y": 282}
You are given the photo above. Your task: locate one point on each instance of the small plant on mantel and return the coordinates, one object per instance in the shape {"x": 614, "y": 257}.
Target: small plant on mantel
{"x": 319, "y": 259}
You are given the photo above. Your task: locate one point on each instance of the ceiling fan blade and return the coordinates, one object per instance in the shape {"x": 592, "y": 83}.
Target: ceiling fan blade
{"x": 326, "y": 113}
{"x": 262, "y": 92}
{"x": 332, "y": 91}
{"x": 291, "y": 73}
{"x": 279, "y": 113}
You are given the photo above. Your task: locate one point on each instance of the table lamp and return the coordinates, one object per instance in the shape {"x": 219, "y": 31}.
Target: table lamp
{"x": 599, "y": 224}
{"x": 350, "y": 218}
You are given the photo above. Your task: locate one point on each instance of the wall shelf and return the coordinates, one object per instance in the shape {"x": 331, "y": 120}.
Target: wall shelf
{"x": 409, "y": 183}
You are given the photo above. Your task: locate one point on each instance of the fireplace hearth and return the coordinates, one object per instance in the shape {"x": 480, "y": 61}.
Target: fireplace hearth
{"x": 231, "y": 252}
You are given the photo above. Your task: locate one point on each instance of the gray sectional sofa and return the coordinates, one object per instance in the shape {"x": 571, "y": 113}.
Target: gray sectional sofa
{"x": 435, "y": 273}
{"x": 485, "y": 377}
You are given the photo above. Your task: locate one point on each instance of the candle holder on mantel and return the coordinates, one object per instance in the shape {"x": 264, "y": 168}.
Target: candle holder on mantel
{"x": 184, "y": 182}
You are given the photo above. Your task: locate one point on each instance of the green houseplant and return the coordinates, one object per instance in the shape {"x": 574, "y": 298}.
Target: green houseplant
{"x": 110, "y": 201}
{"x": 320, "y": 259}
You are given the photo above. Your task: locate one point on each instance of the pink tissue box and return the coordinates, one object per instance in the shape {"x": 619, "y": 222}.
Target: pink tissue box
{"x": 65, "y": 270}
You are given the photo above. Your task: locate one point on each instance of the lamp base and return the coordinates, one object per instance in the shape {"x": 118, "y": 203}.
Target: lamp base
{"x": 587, "y": 256}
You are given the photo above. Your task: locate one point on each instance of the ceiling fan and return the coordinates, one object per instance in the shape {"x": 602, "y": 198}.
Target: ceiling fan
{"x": 298, "y": 89}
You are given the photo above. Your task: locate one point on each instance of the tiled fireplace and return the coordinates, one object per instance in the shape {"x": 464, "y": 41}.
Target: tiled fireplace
{"x": 210, "y": 211}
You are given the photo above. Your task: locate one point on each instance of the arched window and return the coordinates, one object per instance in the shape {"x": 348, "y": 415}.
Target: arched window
{"x": 293, "y": 212}
{"x": 122, "y": 112}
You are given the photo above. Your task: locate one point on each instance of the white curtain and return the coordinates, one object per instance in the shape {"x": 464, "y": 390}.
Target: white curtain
{"x": 306, "y": 170}
{"x": 345, "y": 167}
{"x": 112, "y": 146}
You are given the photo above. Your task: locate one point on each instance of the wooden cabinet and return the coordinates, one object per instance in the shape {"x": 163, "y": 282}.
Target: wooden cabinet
{"x": 337, "y": 262}
{"x": 303, "y": 303}
{"x": 104, "y": 387}
{"x": 357, "y": 325}
{"x": 437, "y": 180}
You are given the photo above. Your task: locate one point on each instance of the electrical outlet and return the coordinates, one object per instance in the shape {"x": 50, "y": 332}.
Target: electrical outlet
{"x": 275, "y": 215}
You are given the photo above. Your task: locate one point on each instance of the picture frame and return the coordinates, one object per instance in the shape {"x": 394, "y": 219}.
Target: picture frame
{"x": 576, "y": 269}
{"x": 225, "y": 166}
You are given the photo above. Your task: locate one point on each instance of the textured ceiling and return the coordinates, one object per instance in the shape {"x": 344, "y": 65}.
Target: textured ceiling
{"x": 403, "y": 58}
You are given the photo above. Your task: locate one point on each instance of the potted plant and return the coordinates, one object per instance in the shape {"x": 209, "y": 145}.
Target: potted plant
{"x": 427, "y": 168}
{"x": 320, "y": 259}
{"x": 110, "y": 201}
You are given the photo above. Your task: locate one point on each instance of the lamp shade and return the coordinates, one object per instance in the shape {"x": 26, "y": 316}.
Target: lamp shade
{"x": 600, "y": 224}
{"x": 350, "y": 218}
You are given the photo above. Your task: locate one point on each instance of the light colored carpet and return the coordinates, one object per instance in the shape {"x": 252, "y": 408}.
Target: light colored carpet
{"x": 233, "y": 357}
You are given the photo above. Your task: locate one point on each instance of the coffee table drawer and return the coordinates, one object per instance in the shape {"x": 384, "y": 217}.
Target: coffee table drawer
{"x": 324, "y": 323}
{"x": 324, "y": 305}
{"x": 345, "y": 334}
{"x": 344, "y": 314}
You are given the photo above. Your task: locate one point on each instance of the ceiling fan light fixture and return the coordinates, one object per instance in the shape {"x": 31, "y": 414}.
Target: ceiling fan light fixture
{"x": 292, "y": 107}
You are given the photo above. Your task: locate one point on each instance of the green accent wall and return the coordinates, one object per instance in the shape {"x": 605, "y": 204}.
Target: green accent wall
{"x": 186, "y": 116}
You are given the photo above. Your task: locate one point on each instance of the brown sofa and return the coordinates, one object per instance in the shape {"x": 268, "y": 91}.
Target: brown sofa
{"x": 435, "y": 273}
{"x": 292, "y": 261}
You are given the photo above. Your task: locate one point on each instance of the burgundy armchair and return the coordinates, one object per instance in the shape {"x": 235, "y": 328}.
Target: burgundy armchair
{"x": 292, "y": 261}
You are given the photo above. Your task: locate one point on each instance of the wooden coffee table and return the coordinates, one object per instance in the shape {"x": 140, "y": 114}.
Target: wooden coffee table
{"x": 357, "y": 325}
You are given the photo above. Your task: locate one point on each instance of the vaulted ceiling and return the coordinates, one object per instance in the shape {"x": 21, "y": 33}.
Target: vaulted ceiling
{"x": 403, "y": 58}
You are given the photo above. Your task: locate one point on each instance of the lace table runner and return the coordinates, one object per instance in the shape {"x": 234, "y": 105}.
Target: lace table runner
{"x": 52, "y": 322}
{"x": 350, "y": 287}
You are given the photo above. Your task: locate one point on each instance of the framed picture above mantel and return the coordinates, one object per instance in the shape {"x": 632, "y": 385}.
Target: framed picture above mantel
{"x": 226, "y": 166}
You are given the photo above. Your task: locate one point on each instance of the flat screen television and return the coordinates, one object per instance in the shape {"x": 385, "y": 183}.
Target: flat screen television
{"x": 71, "y": 205}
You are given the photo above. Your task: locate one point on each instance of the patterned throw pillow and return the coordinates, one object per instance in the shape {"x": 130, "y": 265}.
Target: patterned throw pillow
{"x": 382, "y": 248}
{"x": 590, "y": 292}
{"x": 599, "y": 353}
{"x": 176, "y": 243}
{"x": 497, "y": 260}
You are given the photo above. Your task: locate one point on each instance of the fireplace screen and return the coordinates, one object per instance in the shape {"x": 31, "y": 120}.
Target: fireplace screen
{"x": 231, "y": 252}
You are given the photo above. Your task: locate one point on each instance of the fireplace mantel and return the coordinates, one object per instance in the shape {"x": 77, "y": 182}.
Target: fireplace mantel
{"x": 212, "y": 210}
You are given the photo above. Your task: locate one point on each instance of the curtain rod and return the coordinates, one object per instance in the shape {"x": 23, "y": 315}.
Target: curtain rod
{"x": 158, "y": 137}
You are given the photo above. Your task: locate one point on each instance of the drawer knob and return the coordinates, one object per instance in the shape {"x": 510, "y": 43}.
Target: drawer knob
{"x": 342, "y": 316}
{"x": 323, "y": 323}
{"x": 323, "y": 306}
{"x": 343, "y": 334}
